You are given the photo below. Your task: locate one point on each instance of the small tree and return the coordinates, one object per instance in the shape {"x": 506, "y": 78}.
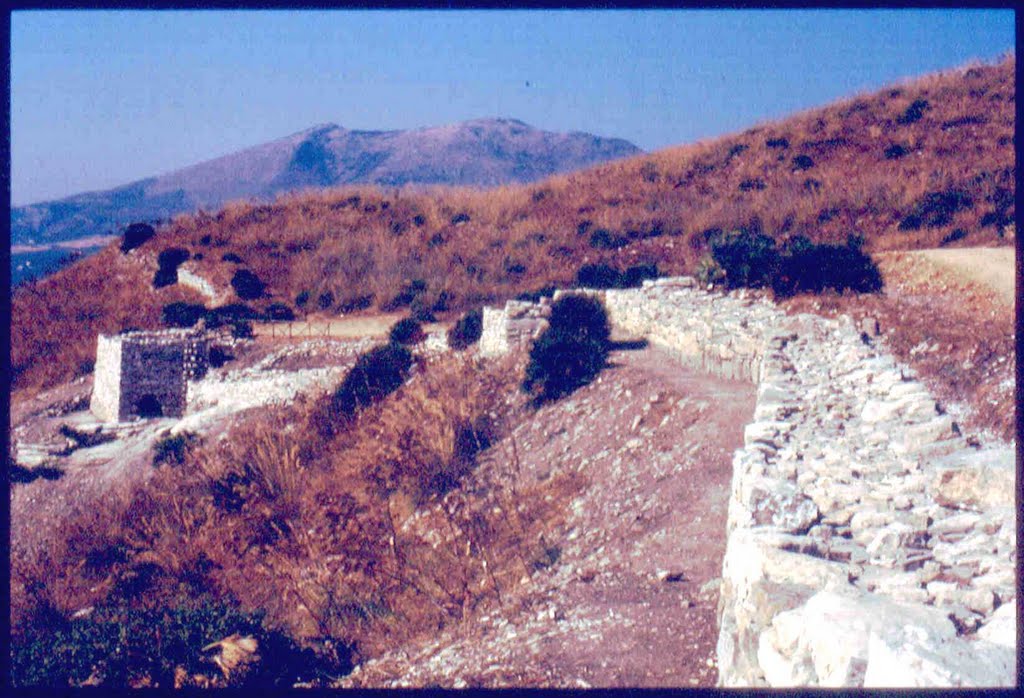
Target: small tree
{"x": 135, "y": 235}
{"x": 466, "y": 330}
{"x": 748, "y": 259}
{"x": 571, "y": 351}
{"x": 247, "y": 285}
{"x": 407, "y": 332}
{"x": 376, "y": 374}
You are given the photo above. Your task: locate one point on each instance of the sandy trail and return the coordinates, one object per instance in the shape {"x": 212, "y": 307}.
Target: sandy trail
{"x": 991, "y": 267}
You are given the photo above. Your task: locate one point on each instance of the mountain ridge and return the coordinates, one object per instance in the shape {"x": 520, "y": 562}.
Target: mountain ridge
{"x": 478, "y": 152}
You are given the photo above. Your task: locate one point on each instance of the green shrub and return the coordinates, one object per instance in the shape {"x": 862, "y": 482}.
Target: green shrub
{"x": 301, "y": 299}
{"x": 406, "y": 332}
{"x": 571, "y": 351}
{"x": 708, "y": 272}
{"x": 279, "y": 312}
{"x": 241, "y": 329}
{"x": 895, "y": 151}
{"x": 535, "y": 295}
{"x": 748, "y": 259}
{"x": 598, "y": 276}
{"x": 957, "y": 234}
{"x": 229, "y": 314}
{"x": 466, "y": 330}
{"x": 806, "y": 267}
{"x": 777, "y": 142}
{"x": 231, "y": 257}
{"x": 409, "y": 291}
{"x": 914, "y": 112}
{"x": 325, "y": 300}
{"x": 165, "y": 277}
{"x": 136, "y": 235}
{"x": 121, "y": 647}
{"x": 936, "y": 209}
{"x": 172, "y": 257}
{"x": 602, "y": 239}
{"x": 635, "y": 275}
{"x": 182, "y": 314}
{"x": 802, "y": 162}
{"x": 171, "y": 450}
{"x": 752, "y": 185}
{"x": 247, "y": 285}
{"x": 353, "y": 303}
{"x": 376, "y": 374}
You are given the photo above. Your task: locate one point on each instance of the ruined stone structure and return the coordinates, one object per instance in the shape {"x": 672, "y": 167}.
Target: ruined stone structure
{"x": 869, "y": 543}
{"x": 146, "y": 374}
{"x": 514, "y": 327}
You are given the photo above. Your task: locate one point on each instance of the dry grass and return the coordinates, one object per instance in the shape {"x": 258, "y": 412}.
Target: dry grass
{"x": 471, "y": 247}
{"x": 350, "y": 540}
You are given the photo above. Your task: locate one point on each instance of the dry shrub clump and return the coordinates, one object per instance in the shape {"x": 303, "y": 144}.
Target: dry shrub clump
{"x": 349, "y": 545}
{"x": 859, "y": 166}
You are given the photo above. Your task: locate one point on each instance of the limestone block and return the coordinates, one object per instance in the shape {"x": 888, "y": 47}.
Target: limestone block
{"x": 917, "y": 657}
{"x": 891, "y": 543}
{"x": 779, "y": 503}
{"x": 975, "y": 484}
{"x": 1001, "y": 627}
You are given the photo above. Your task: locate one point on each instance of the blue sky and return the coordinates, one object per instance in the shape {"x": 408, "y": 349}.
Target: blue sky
{"x": 102, "y": 98}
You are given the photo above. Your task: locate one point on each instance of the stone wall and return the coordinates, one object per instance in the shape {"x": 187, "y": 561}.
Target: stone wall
{"x": 869, "y": 543}
{"x": 513, "y": 327}
{"x": 137, "y": 368}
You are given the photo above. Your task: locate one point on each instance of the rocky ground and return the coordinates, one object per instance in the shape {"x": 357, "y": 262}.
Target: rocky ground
{"x": 630, "y": 595}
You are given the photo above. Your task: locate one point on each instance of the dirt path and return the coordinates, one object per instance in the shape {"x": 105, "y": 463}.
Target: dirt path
{"x": 991, "y": 267}
{"x": 630, "y": 599}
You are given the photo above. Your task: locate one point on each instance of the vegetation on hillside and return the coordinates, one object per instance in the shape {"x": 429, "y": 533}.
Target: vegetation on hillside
{"x": 285, "y": 532}
{"x": 919, "y": 164}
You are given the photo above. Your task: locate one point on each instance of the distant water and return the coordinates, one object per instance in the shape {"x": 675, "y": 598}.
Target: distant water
{"x": 26, "y": 266}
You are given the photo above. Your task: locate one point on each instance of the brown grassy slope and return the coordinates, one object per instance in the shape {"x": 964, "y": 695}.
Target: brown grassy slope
{"x": 472, "y": 247}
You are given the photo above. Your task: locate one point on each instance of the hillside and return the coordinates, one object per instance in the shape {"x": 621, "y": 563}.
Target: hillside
{"x": 916, "y": 165}
{"x": 482, "y": 152}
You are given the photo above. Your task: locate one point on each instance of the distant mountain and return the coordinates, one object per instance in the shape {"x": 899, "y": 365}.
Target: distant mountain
{"x": 483, "y": 152}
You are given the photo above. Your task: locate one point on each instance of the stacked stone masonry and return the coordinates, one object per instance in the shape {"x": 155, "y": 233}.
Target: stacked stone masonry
{"x": 869, "y": 543}
{"x": 142, "y": 373}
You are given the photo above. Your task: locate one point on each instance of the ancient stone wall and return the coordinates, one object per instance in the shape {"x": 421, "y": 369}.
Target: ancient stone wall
{"x": 147, "y": 373}
{"x": 514, "y": 327}
{"x": 869, "y": 542}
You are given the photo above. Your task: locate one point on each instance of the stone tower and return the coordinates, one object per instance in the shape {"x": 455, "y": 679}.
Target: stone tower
{"x": 146, "y": 374}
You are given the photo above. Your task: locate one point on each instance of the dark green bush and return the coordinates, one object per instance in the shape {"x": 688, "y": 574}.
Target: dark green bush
{"x": 376, "y": 374}
{"x": 182, "y": 314}
{"x": 748, "y": 259}
{"x": 231, "y": 257}
{"x": 777, "y": 142}
{"x": 895, "y": 151}
{"x": 241, "y": 329}
{"x": 958, "y": 234}
{"x": 165, "y": 277}
{"x": 598, "y": 276}
{"x": 571, "y": 351}
{"x": 602, "y": 239}
{"x": 535, "y": 295}
{"x": 408, "y": 293}
{"x": 171, "y": 450}
{"x": 936, "y": 209}
{"x": 914, "y": 112}
{"x": 802, "y": 162}
{"x": 752, "y": 185}
{"x": 229, "y": 314}
{"x": 279, "y": 312}
{"x": 247, "y": 285}
{"x": 325, "y": 300}
{"x": 353, "y": 303}
{"x": 809, "y": 268}
{"x": 460, "y": 218}
{"x": 635, "y": 275}
{"x": 406, "y": 332}
{"x": 466, "y": 330}
{"x": 172, "y": 257}
{"x": 125, "y": 647}
{"x": 135, "y": 235}
{"x": 301, "y": 299}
